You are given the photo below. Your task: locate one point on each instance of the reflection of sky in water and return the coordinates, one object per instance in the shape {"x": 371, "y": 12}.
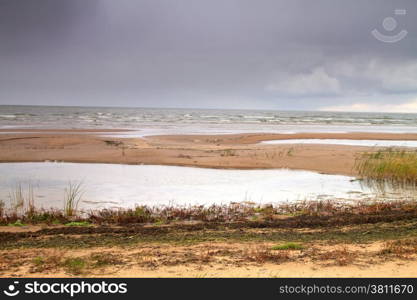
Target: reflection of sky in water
{"x": 369, "y": 143}
{"x": 112, "y": 185}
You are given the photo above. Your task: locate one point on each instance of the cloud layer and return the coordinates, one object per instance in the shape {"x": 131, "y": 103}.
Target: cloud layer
{"x": 408, "y": 107}
{"x": 271, "y": 54}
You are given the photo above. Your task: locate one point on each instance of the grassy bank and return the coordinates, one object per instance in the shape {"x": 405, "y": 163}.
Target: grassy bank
{"x": 388, "y": 168}
{"x": 303, "y": 213}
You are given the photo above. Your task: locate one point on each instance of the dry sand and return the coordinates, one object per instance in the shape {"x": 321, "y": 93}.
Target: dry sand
{"x": 237, "y": 151}
{"x": 206, "y": 260}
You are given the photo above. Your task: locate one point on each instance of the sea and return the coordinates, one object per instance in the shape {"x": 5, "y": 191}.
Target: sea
{"x": 150, "y": 121}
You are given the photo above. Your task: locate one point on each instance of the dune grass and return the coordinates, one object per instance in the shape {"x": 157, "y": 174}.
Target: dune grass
{"x": 388, "y": 168}
{"x": 22, "y": 199}
{"x": 73, "y": 195}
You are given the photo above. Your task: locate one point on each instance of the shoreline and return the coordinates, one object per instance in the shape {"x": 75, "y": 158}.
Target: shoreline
{"x": 228, "y": 151}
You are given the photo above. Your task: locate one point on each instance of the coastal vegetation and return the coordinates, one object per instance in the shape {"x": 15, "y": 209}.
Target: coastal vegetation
{"x": 391, "y": 167}
{"x": 298, "y": 214}
{"x": 73, "y": 195}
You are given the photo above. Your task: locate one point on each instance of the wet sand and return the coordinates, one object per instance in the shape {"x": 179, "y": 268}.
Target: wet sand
{"x": 231, "y": 151}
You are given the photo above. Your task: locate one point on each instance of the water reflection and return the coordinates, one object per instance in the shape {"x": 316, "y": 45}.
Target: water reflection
{"x": 113, "y": 185}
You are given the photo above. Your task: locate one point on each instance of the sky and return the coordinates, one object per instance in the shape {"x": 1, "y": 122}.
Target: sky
{"x": 230, "y": 54}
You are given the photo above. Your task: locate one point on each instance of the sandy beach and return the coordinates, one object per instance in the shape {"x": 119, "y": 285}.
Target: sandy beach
{"x": 231, "y": 151}
{"x": 371, "y": 242}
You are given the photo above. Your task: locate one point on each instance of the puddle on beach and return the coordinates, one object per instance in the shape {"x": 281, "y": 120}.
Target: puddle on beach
{"x": 113, "y": 185}
{"x": 368, "y": 143}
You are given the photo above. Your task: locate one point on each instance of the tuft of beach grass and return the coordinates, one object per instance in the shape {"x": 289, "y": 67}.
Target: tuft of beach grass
{"x": 391, "y": 167}
{"x": 73, "y": 195}
{"x": 21, "y": 199}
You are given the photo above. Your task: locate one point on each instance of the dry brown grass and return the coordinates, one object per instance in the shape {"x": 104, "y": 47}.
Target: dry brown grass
{"x": 46, "y": 263}
{"x": 403, "y": 249}
{"x": 342, "y": 256}
{"x": 263, "y": 254}
{"x": 299, "y": 214}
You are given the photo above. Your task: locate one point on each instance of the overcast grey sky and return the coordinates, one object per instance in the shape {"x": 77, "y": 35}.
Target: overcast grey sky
{"x": 266, "y": 54}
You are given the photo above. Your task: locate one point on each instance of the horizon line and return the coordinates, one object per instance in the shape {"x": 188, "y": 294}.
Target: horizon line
{"x": 202, "y": 108}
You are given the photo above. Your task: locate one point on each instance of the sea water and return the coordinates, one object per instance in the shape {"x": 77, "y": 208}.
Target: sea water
{"x": 121, "y": 186}
{"x": 148, "y": 121}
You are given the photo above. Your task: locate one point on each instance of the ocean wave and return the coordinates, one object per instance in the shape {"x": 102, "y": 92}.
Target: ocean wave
{"x": 209, "y": 120}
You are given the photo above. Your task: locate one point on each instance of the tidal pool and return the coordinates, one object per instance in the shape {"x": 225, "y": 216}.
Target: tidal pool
{"x": 368, "y": 143}
{"x": 114, "y": 185}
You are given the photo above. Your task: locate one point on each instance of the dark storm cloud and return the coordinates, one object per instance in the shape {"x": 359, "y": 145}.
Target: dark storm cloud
{"x": 27, "y": 26}
{"x": 189, "y": 53}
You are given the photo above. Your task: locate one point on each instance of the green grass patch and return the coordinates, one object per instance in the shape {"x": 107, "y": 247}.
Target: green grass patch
{"x": 38, "y": 261}
{"x": 74, "y": 265}
{"x": 18, "y": 223}
{"x": 82, "y": 224}
{"x": 288, "y": 246}
{"x": 159, "y": 223}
